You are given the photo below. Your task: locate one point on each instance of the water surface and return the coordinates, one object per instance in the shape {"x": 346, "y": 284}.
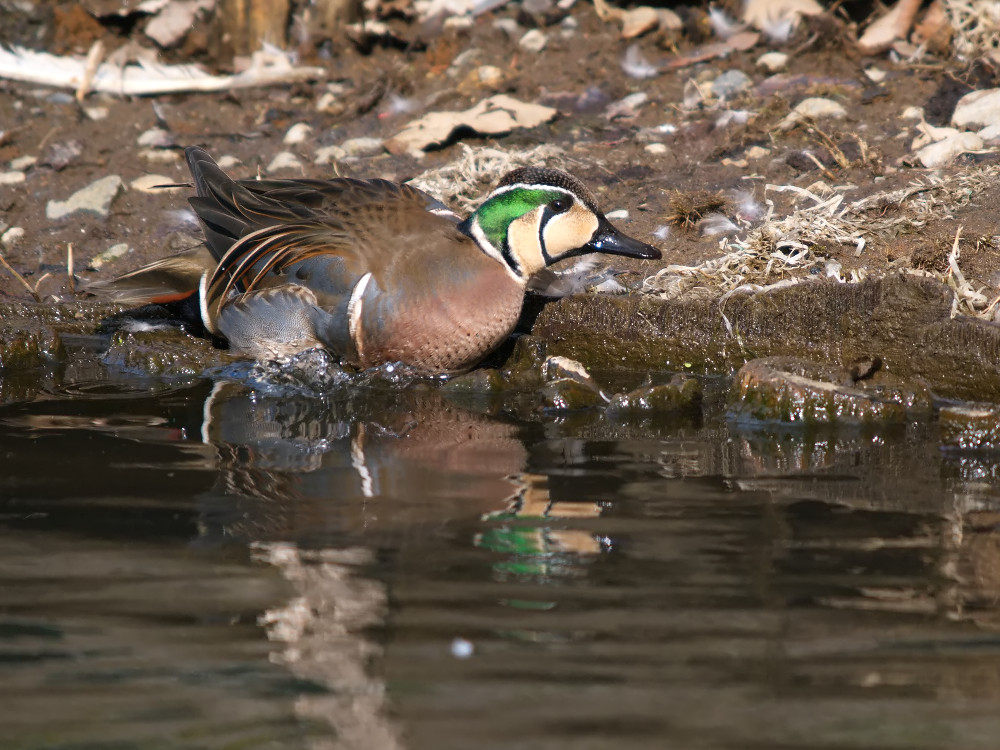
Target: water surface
{"x": 200, "y": 564}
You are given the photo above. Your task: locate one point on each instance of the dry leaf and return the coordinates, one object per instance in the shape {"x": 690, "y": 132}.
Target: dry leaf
{"x": 740, "y": 42}
{"x": 498, "y": 114}
{"x": 762, "y": 13}
{"x": 892, "y": 26}
{"x": 934, "y": 29}
{"x": 638, "y": 21}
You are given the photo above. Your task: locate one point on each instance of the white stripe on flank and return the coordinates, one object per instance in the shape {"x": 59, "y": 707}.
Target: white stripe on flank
{"x": 203, "y": 303}
{"x": 354, "y": 308}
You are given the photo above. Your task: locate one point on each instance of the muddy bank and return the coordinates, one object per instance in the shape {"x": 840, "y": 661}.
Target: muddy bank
{"x": 904, "y": 320}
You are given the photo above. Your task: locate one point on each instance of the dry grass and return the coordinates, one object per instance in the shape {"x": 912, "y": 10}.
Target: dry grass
{"x": 800, "y": 246}
{"x": 464, "y": 182}
{"x": 688, "y": 208}
{"x": 977, "y": 27}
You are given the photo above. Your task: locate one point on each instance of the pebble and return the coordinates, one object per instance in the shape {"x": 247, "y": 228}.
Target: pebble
{"x": 814, "y": 108}
{"x": 363, "y": 146}
{"x": 656, "y": 148}
{"x": 12, "y": 178}
{"x": 228, "y": 161}
{"x": 508, "y": 26}
{"x": 627, "y": 107}
{"x": 22, "y": 163}
{"x": 160, "y": 155}
{"x": 773, "y": 62}
{"x": 329, "y": 155}
{"x": 297, "y": 133}
{"x": 875, "y": 75}
{"x": 284, "y": 160}
{"x": 568, "y": 27}
{"x": 148, "y": 183}
{"x": 537, "y": 6}
{"x": 326, "y": 102}
{"x": 490, "y": 75}
{"x": 12, "y": 236}
{"x": 95, "y": 198}
{"x": 757, "y": 152}
{"x": 533, "y": 41}
{"x": 913, "y": 113}
{"x": 155, "y": 138}
{"x": 462, "y": 649}
{"x": 112, "y": 253}
{"x": 944, "y": 151}
{"x": 977, "y": 110}
{"x": 730, "y": 83}
{"x": 458, "y": 23}
{"x": 621, "y": 214}
{"x": 990, "y": 135}
{"x": 96, "y": 113}
{"x": 465, "y": 58}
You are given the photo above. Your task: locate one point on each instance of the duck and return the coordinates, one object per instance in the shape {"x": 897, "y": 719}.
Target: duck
{"x": 373, "y": 271}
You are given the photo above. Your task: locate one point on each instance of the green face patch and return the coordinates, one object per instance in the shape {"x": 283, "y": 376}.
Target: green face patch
{"x": 496, "y": 214}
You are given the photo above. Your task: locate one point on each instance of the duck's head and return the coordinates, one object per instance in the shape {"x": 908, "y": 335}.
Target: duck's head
{"x": 536, "y": 217}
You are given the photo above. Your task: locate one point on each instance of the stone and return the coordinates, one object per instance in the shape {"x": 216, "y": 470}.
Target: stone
{"x": 773, "y": 62}
{"x": 490, "y": 75}
{"x": 533, "y": 41}
{"x": 12, "y": 178}
{"x": 112, "y": 253}
{"x": 657, "y": 149}
{"x": 943, "y": 152}
{"x": 164, "y": 352}
{"x": 567, "y": 394}
{"x": 523, "y": 368}
{"x": 508, "y": 26}
{"x": 329, "y": 155}
{"x": 160, "y": 155}
{"x": 482, "y": 380}
{"x": 793, "y": 391}
{"x": 990, "y": 134}
{"x": 152, "y": 183}
{"x": 681, "y": 394}
{"x": 977, "y": 109}
{"x": 813, "y": 108}
{"x": 24, "y": 345}
{"x": 22, "y": 163}
{"x": 970, "y": 426}
{"x": 363, "y": 146}
{"x": 297, "y": 134}
{"x": 95, "y": 198}
{"x": 155, "y": 138}
{"x": 730, "y": 83}
{"x": 12, "y": 236}
{"x": 284, "y": 160}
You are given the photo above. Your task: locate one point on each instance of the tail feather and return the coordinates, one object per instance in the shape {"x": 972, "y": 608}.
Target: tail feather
{"x": 164, "y": 280}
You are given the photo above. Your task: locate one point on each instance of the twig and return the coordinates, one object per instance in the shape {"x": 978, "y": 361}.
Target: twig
{"x": 20, "y": 278}
{"x": 93, "y": 60}
{"x": 69, "y": 267}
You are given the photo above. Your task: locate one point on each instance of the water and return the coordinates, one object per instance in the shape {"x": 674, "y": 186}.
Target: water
{"x": 201, "y": 565}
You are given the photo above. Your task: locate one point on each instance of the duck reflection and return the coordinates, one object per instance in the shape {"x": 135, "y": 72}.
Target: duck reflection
{"x": 368, "y": 463}
{"x": 319, "y": 485}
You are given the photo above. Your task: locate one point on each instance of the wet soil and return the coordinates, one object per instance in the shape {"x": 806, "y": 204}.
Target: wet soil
{"x": 579, "y": 72}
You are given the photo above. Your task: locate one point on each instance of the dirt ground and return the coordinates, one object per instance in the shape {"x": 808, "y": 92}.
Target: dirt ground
{"x": 579, "y": 72}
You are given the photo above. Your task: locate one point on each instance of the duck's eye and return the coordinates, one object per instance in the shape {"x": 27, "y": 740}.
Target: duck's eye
{"x": 560, "y": 205}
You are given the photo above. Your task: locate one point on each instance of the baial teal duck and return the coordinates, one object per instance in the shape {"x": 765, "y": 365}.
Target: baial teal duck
{"x": 373, "y": 271}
